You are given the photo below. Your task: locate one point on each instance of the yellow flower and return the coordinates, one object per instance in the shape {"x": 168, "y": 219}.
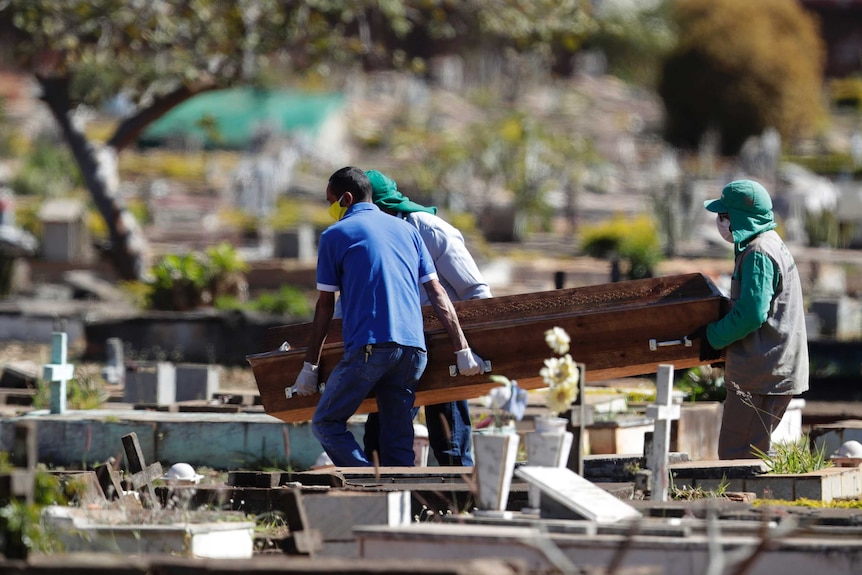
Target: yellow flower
{"x": 558, "y": 340}
{"x": 561, "y": 397}
{"x": 560, "y": 370}
{"x": 560, "y": 374}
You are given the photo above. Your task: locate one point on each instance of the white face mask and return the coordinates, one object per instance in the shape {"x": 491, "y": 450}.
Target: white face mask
{"x": 723, "y": 226}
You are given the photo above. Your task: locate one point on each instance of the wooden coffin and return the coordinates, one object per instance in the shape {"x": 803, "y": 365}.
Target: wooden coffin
{"x": 617, "y": 330}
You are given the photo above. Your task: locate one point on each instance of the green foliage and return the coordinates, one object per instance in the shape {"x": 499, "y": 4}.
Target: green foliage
{"x": 846, "y": 92}
{"x": 703, "y": 383}
{"x": 159, "y": 54}
{"x": 739, "y": 68}
{"x": 826, "y": 164}
{"x": 21, "y": 528}
{"x": 178, "y": 282}
{"x": 513, "y": 153}
{"x": 290, "y": 212}
{"x": 286, "y": 301}
{"x": 7, "y": 133}
{"x": 48, "y": 171}
{"x": 632, "y": 240}
{"x": 184, "y": 282}
{"x": 689, "y": 493}
{"x": 814, "y": 503}
{"x": 634, "y": 41}
{"x": 149, "y": 49}
{"x": 463, "y": 221}
{"x": 825, "y": 229}
{"x": 794, "y": 457}
{"x": 184, "y": 167}
{"x": 85, "y": 391}
{"x": 224, "y": 259}
{"x": 239, "y": 219}
{"x": 27, "y": 215}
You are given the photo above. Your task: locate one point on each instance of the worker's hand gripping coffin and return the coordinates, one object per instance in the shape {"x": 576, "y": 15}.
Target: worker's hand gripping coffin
{"x": 618, "y": 330}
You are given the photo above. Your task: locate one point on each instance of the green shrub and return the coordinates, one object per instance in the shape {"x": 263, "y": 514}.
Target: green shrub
{"x": 184, "y": 282}
{"x": 846, "y": 92}
{"x": 703, "y": 383}
{"x": 286, "y": 301}
{"x": 825, "y": 229}
{"x": 178, "y": 282}
{"x": 794, "y": 457}
{"x": 48, "y": 171}
{"x": 632, "y": 240}
{"x": 739, "y": 68}
{"x": 85, "y": 391}
{"x": 21, "y": 527}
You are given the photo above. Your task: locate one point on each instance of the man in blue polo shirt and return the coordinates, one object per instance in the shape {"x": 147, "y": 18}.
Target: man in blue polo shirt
{"x": 377, "y": 263}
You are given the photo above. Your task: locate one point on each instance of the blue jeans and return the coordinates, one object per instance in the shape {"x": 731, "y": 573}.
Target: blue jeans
{"x": 392, "y": 372}
{"x": 450, "y": 441}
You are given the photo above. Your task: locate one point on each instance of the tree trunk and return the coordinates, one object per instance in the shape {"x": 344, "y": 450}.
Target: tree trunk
{"x": 99, "y": 169}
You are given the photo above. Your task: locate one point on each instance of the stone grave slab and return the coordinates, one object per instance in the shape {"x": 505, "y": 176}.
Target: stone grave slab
{"x": 749, "y": 475}
{"x": 114, "y": 532}
{"x": 151, "y": 383}
{"x": 196, "y": 381}
{"x": 567, "y": 488}
{"x": 335, "y": 514}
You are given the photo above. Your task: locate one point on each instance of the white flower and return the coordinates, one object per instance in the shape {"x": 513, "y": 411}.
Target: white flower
{"x": 558, "y": 340}
{"x": 560, "y": 370}
{"x": 561, "y": 397}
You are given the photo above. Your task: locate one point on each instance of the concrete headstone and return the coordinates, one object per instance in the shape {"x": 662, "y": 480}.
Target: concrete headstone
{"x": 565, "y": 487}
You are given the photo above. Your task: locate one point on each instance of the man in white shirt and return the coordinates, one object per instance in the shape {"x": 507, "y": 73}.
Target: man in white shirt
{"x": 449, "y": 426}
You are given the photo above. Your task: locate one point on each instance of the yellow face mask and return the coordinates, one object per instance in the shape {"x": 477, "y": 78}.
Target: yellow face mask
{"x": 336, "y": 211}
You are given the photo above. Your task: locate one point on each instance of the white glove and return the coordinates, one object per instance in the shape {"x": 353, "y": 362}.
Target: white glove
{"x": 469, "y": 363}
{"x": 306, "y": 381}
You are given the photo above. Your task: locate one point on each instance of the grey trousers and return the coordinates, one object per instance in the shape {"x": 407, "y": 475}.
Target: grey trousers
{"x": 749, "y": 420}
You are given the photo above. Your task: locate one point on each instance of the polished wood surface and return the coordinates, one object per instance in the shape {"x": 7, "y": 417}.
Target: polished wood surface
{"x": 611, "y": 326}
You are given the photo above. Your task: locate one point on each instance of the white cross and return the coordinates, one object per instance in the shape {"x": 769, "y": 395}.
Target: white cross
{"x": 663, "y": 412}
{"x": 58, "y": 372}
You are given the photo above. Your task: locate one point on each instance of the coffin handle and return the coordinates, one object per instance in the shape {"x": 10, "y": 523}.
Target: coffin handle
{"x": 654, "y": 345}
{"x": 453, "y": 369}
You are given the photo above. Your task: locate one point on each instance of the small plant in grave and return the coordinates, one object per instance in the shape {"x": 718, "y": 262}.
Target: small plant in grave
{"x": 814, "y": 503}
{"x": 689, "y": 493}
{"x": 704, "y": 383}
{"x": 85, "y": 391}
{"x": 794, "y": 457}
{"x": 21, "y": 528}
{"x": 270, "y": 527}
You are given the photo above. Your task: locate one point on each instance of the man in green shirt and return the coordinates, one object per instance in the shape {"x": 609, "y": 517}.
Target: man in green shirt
{"x": 766, "y": 355}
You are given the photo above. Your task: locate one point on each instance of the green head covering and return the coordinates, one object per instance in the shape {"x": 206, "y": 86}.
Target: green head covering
{"x": 386, "y": 196}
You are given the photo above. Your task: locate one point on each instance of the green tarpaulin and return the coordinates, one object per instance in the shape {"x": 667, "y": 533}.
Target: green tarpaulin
{"x": 230, "y": 118}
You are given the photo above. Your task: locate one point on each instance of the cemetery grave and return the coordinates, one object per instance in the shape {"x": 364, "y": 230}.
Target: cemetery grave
{"x": 375, "y": 515}
{"x": 598, "y": 510}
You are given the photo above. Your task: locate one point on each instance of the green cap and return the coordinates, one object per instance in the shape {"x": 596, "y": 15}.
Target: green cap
{"x": 744, "y": 196}
{"x": 385, "y": 195}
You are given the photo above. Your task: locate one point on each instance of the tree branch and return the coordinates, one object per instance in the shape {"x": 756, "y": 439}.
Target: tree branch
{"x": 129, "y": 130}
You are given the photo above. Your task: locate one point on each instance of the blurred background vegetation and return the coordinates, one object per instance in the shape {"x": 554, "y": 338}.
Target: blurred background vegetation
{"x": 502, "y": 117}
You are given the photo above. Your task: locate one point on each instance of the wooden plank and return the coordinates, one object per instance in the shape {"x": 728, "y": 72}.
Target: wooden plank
{"x": 610, "y": 325}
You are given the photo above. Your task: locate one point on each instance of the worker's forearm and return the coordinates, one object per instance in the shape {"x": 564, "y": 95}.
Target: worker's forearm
{"x": 319, "y": 329}
{"x": 446, "y": 314}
